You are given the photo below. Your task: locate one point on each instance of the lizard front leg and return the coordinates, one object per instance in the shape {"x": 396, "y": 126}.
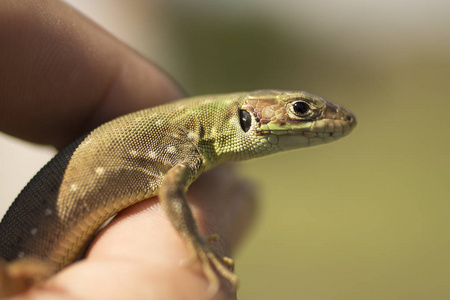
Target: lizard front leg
{"x": 173, "y": 199}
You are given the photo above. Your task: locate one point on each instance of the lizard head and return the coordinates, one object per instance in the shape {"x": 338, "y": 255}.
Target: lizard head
{"x": 284, "y": 120}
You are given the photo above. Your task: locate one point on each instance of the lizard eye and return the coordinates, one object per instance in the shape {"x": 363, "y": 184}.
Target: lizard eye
{"x": 245, "y": 119}
{"x": 300, "y": 108}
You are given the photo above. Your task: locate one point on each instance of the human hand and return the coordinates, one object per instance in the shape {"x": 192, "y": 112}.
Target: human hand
{"x": 61, "y": 76}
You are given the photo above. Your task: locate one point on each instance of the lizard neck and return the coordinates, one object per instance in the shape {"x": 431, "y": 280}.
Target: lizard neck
{"x": 222, "y": 137}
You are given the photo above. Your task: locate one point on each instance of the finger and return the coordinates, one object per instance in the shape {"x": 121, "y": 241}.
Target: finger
{"x": 224, "y": 204}
{"x": 62, "y": 75}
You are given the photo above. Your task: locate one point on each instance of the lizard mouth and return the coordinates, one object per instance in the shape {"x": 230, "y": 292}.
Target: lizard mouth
{"x": 311, "y": 133}
{"x": 321, "y": 128}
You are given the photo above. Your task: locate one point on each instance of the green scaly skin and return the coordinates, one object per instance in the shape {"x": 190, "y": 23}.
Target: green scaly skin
{"x": 158, "y": 151}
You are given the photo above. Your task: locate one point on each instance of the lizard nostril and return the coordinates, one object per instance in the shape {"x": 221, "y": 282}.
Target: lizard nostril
{"x": 349, "y": 118}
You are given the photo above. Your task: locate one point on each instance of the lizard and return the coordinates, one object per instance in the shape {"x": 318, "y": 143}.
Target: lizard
{"x": 156, "y": 151}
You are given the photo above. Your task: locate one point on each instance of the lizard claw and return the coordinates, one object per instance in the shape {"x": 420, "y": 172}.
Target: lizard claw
{"x": 212, "y": 263}
{"x": 212, "y": 238}
{"x": 225, "y": 260}
{"x": 229, "y": 262}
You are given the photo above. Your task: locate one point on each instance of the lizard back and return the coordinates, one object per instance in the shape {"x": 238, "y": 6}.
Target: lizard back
{"x": 116, "y": 165}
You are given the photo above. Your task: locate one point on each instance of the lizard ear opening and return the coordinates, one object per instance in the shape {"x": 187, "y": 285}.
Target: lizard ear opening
{"x": 246, "y": 120}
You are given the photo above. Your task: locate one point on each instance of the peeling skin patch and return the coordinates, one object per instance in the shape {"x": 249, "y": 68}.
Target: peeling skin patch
{"x": 33, "y": 231}
{"x": 48, "y": 212}
{"x": 158, "y": 122}
{"x": 152, "y": 154}
{"x": 133, "y": 152}
{"x": 100, "y": 171}
{"x": 73, "y": 187}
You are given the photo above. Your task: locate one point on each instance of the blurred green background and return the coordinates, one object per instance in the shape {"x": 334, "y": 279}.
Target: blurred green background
{"x": 366, "y": 217}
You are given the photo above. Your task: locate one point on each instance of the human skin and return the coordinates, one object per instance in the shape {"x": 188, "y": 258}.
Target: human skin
{"x": 61, "y": 75}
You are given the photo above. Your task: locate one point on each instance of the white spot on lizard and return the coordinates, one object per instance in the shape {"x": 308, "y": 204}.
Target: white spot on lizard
{"x": 133, "y": 152}
{"x": 171, "y": 149}
{"x": 232, "y": 121}
{"x": 21, "y": 254}
{"x": 34, "y": 231}
{"x": 100, "y": 171}
{"x": 191, "y": 135}
{"x": 74, "y": 187}
{"x": 152, "y": 154}
{"x": 48, "y": 211}
{"x": 87, "y": 141}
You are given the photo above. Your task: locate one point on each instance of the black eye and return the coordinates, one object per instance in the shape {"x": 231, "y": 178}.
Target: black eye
{"x": 246, "y": 120}
{"x": 300, "y": 108}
